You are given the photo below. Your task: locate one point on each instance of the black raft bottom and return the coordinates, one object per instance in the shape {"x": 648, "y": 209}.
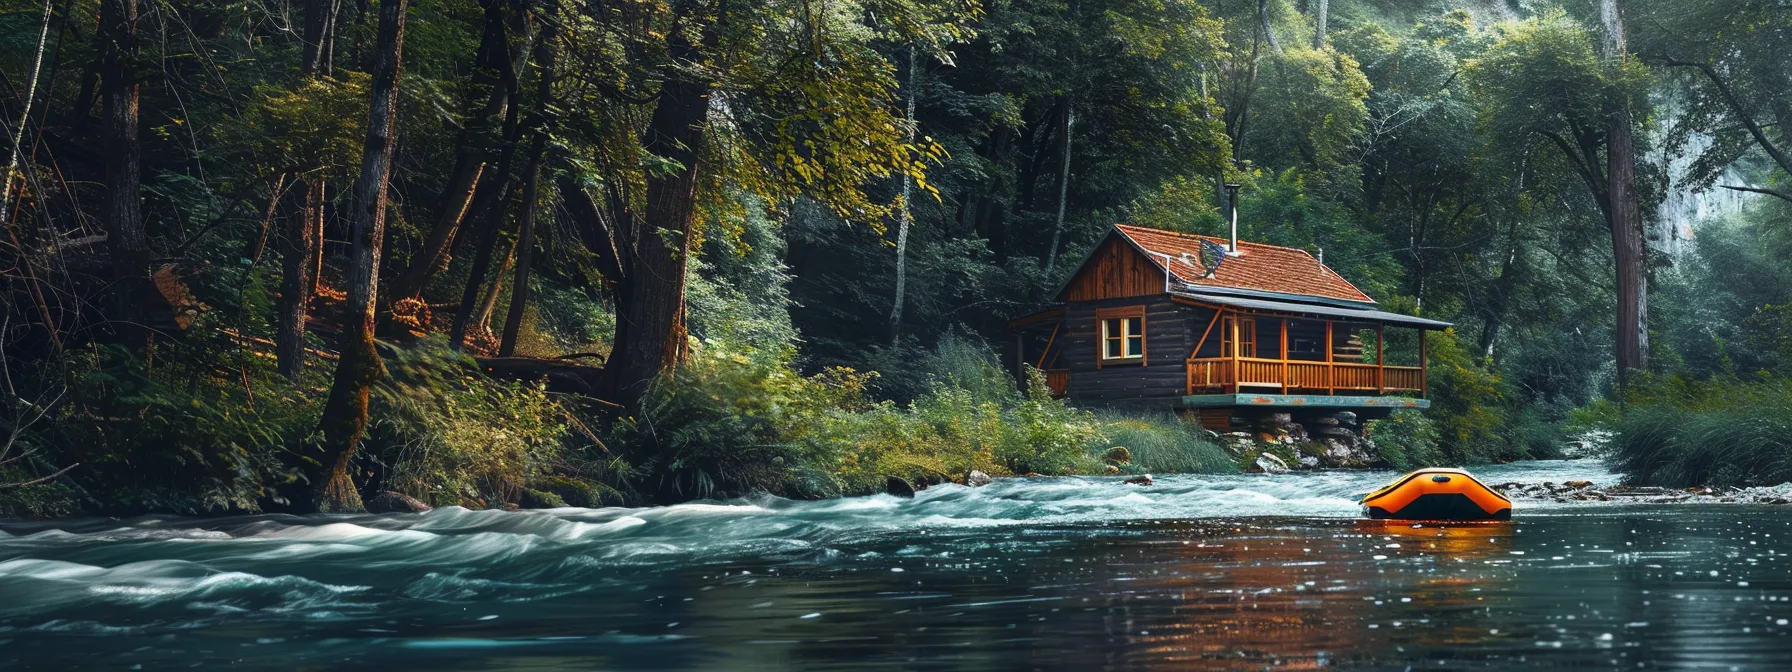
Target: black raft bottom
{"x": 1441, "y": 506}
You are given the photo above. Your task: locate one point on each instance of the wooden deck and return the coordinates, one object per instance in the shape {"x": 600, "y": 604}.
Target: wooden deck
{"x": 1234, "y": 374}
{"x": 1302, "y": 400}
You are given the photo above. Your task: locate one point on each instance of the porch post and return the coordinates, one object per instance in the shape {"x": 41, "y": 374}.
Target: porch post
{"x": 1331, "y": 374}
{"x": 1422, "y": 365}
{"x": 1381, "y": 362}
{"x": 1235, "y": 373}
{"x": 1284, "y": 355}
{"x": 1020, "y": 361}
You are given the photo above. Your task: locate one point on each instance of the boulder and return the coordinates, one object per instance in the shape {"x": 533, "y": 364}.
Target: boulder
{"x": 977, "y": 479}
{"x": 394, "y": 502}
{"x": 895, "y": 485}
{"x": 1269, "y": 464}
{"x": 1345, "y": 417}
{"x": 1112, "y": 469}
{"x": 1141, "y": 479}
{"x": 1309, "y": 461}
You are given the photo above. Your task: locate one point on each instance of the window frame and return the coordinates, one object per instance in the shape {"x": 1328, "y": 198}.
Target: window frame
{"x": 1128, "y": 316}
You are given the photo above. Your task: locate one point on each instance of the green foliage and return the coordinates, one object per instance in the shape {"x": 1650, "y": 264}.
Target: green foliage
{"x": 1679, "y": 433}
{"x": 314, "y": 128}
{"x": 1314, "y": 111}
{"x": 447, "y": 434}
{"x": 188, "y": 436}
{"x": 1408, "y": 440}
{"x": 1468, "y": 402}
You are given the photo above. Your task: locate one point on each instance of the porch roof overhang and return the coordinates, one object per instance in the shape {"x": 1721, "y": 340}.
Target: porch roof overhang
{"x": 1044, "y": 317}
{"x": 1327, "y": 312}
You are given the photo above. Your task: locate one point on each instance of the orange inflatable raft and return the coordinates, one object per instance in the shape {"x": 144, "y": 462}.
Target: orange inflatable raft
{"x": 1438, "y": 494}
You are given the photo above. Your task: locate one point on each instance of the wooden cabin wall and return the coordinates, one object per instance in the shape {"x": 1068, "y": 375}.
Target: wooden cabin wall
{"x": 1116, "y": 270}
{"x": 1159, "y": 382}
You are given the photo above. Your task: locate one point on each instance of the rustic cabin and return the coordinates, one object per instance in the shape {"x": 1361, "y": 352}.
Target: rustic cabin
{"x": 1226, "y": 330}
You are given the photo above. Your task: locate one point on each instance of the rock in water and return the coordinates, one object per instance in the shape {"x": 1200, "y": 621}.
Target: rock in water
{"x": 898, "y": 487}
{"x": 393, "y": 502}
{"x": 977, "y": 479}
{"x": 1141, "y": 479}
{"x": 1269, "y": 464}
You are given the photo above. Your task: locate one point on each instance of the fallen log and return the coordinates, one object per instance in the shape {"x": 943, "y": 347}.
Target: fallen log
{"x": 562, "y": 376}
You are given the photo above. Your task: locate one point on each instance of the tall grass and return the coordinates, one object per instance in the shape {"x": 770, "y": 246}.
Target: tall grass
{"x": 1161, "y": 444}
{"x": 1727, "y": 433}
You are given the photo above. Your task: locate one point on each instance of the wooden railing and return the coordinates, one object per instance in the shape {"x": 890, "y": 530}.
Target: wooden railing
{"x": 1058, "y": 382}
{"x": 1227, "y": 374}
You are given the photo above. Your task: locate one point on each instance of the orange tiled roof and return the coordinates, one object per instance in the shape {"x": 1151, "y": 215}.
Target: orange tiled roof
{"x": 1259, "y": 267}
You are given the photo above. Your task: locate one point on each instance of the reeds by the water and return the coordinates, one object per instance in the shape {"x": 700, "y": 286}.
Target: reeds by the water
{"x": 1737, "y": 435}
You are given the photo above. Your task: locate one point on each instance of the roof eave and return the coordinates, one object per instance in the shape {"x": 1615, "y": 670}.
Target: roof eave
{"x": 1280, "y": 296}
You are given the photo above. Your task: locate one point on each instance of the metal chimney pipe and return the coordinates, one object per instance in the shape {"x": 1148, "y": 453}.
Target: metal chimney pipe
{"x": 1232, "y": 208}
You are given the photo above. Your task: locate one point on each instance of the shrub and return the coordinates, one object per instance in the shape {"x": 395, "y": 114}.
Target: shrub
{"x": 203, "y": 431}
{"x": 447, "y": 434}
{"x": 1407, "y": 439}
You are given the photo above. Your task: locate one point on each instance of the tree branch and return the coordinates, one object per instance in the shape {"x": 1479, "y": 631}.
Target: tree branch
{"x": 1776, "y": 194}
{"x": 59, "y": 472}
{"x": 1742, "y": 115}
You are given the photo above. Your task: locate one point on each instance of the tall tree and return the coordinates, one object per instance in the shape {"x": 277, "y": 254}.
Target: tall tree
{"x": 1623, "y": 213}
{"x": 345, "y": 412}
{"x": 122, "y": 211}
{"x": 303, "y": 247}
{"x": 1552, "y": 79}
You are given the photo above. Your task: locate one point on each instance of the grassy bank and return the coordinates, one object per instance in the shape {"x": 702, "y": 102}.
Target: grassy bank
{"x": 1723, "y": 432}
{"x": 198, "y": 438}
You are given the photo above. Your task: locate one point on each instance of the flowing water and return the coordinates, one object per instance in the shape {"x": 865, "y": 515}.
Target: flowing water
{"x": 1196, "y": 572}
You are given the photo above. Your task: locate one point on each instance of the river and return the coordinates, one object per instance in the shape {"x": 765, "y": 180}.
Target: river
{"x": 1195, "y": 572}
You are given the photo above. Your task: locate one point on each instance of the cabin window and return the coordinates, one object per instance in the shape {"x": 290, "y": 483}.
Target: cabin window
{"x": 1122, "y": 334}
{"x": 1247, "y": 337}
{"x": 1123, "y": 338}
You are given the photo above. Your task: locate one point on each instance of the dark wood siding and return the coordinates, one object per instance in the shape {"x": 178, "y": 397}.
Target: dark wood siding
{"x": 1116, "y": 270}
{"x": 1159, "y": 381}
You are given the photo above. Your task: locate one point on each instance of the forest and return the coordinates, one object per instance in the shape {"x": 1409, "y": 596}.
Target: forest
{"x": 320, "y": 256}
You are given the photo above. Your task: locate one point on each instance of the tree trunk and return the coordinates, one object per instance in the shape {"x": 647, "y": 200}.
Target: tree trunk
{"x": 1269, "y": 33}
{"x": 1624, "y": 215}
{"x": 122, "y": 213}
{"x": 491, "y": 222}
{"x": 490, "y": 302}
{"x": 1321, "y": 11}
{"x": 472, "y": 153}
{"x": 297, "y": 281}
{"x": 650, "y": 334}
{"x": 905, "y": 217}
{"x": 546, "y": 51}
{"x": 1051, "y": 258}
{"x": 319, "y": 53}
{"x": 525, "y": 245}
{"x": 345, "y": 413}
